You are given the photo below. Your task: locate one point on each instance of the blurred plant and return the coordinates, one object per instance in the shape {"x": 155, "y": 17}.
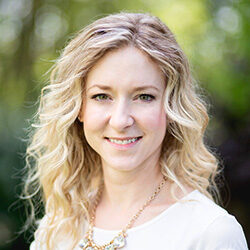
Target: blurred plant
{"x": 213, "y": 33}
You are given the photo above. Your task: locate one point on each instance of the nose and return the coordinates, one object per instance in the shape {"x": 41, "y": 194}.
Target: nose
{"x": 121, "y": 117}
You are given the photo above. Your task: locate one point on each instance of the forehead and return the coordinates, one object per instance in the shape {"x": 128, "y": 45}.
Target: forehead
{"x": 127, "y": 66}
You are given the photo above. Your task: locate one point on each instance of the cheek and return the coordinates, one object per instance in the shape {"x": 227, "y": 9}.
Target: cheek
{"x": 93, "y": 117}
{"x": 154, "y": 120}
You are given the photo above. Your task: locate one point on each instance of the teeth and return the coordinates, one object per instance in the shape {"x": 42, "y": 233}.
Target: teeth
{"x": 123, "y": 141}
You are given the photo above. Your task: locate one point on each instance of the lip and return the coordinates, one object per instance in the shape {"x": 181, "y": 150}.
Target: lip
{"x": 123, "y": 146}
{"x": 122, "y": 138}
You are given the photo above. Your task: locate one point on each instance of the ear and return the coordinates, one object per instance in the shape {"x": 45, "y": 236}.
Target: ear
{"x": 80, "y": 115}
{"x": 79, "y": 118}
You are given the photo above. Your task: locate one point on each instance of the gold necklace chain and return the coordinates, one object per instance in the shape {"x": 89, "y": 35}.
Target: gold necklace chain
{"x": 118, "y": 241}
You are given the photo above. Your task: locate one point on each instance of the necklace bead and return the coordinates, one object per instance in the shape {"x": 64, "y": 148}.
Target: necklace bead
{"x": 83, "y": 243}
{"x": 119, "y": 241}
{"x": 109, "y": 247}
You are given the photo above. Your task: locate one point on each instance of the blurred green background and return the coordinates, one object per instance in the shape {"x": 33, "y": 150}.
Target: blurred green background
{"x": 213, "y": 33}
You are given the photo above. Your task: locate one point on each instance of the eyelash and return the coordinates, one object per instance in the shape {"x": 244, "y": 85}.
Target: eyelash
{"x": 147, "y": 95}
{"x": 97, "y": 96}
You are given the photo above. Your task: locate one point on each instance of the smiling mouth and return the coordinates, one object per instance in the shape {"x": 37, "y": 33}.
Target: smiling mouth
{"x": 124, "y": 141}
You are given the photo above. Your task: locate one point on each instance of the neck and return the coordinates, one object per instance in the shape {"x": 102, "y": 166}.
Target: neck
{"x": 123, "y": 190}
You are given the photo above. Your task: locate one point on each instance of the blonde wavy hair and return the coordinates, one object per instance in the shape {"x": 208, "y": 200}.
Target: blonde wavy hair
{"x": 64, "y": 171}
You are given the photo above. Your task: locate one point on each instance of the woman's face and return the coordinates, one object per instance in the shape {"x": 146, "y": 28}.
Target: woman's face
{"x": 123, "y": 116}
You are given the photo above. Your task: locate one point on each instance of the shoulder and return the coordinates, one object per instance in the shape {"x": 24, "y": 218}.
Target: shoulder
{"x": 38, "y": 242}
{"x": 202, "y": 207}
{"x": 62, "y": 242}
{"x": 217, "y": 229}
{"x": 32, "y": 246}
{"x": 223, "y": 233}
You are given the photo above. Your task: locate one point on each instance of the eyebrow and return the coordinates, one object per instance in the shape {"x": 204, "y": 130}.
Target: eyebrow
{"x": 106, "y": 87}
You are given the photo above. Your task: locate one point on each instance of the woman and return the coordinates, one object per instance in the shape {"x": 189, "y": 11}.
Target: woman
{"x": 119, "y": 155}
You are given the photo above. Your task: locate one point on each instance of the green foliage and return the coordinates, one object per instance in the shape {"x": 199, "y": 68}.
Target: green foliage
{"x": 214, "y": 35}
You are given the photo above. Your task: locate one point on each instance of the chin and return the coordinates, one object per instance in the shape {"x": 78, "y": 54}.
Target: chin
{"x": 121, "y": 165}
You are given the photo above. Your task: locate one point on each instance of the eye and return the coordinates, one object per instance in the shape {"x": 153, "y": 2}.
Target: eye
{"x": 100, "y": 97}
{"x": 146, "y": 97}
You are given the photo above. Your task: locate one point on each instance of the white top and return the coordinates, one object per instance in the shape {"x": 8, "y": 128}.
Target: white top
{"x": 198, "y": 224}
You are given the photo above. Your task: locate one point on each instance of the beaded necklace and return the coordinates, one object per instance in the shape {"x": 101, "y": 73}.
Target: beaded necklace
{"x": 118, "y": 241}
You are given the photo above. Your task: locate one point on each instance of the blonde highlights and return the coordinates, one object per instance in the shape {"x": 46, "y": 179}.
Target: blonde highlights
{"x": 65, "y": 170}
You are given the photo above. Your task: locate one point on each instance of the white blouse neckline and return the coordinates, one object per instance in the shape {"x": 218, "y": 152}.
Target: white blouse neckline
{"x": 153, "y": 220}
